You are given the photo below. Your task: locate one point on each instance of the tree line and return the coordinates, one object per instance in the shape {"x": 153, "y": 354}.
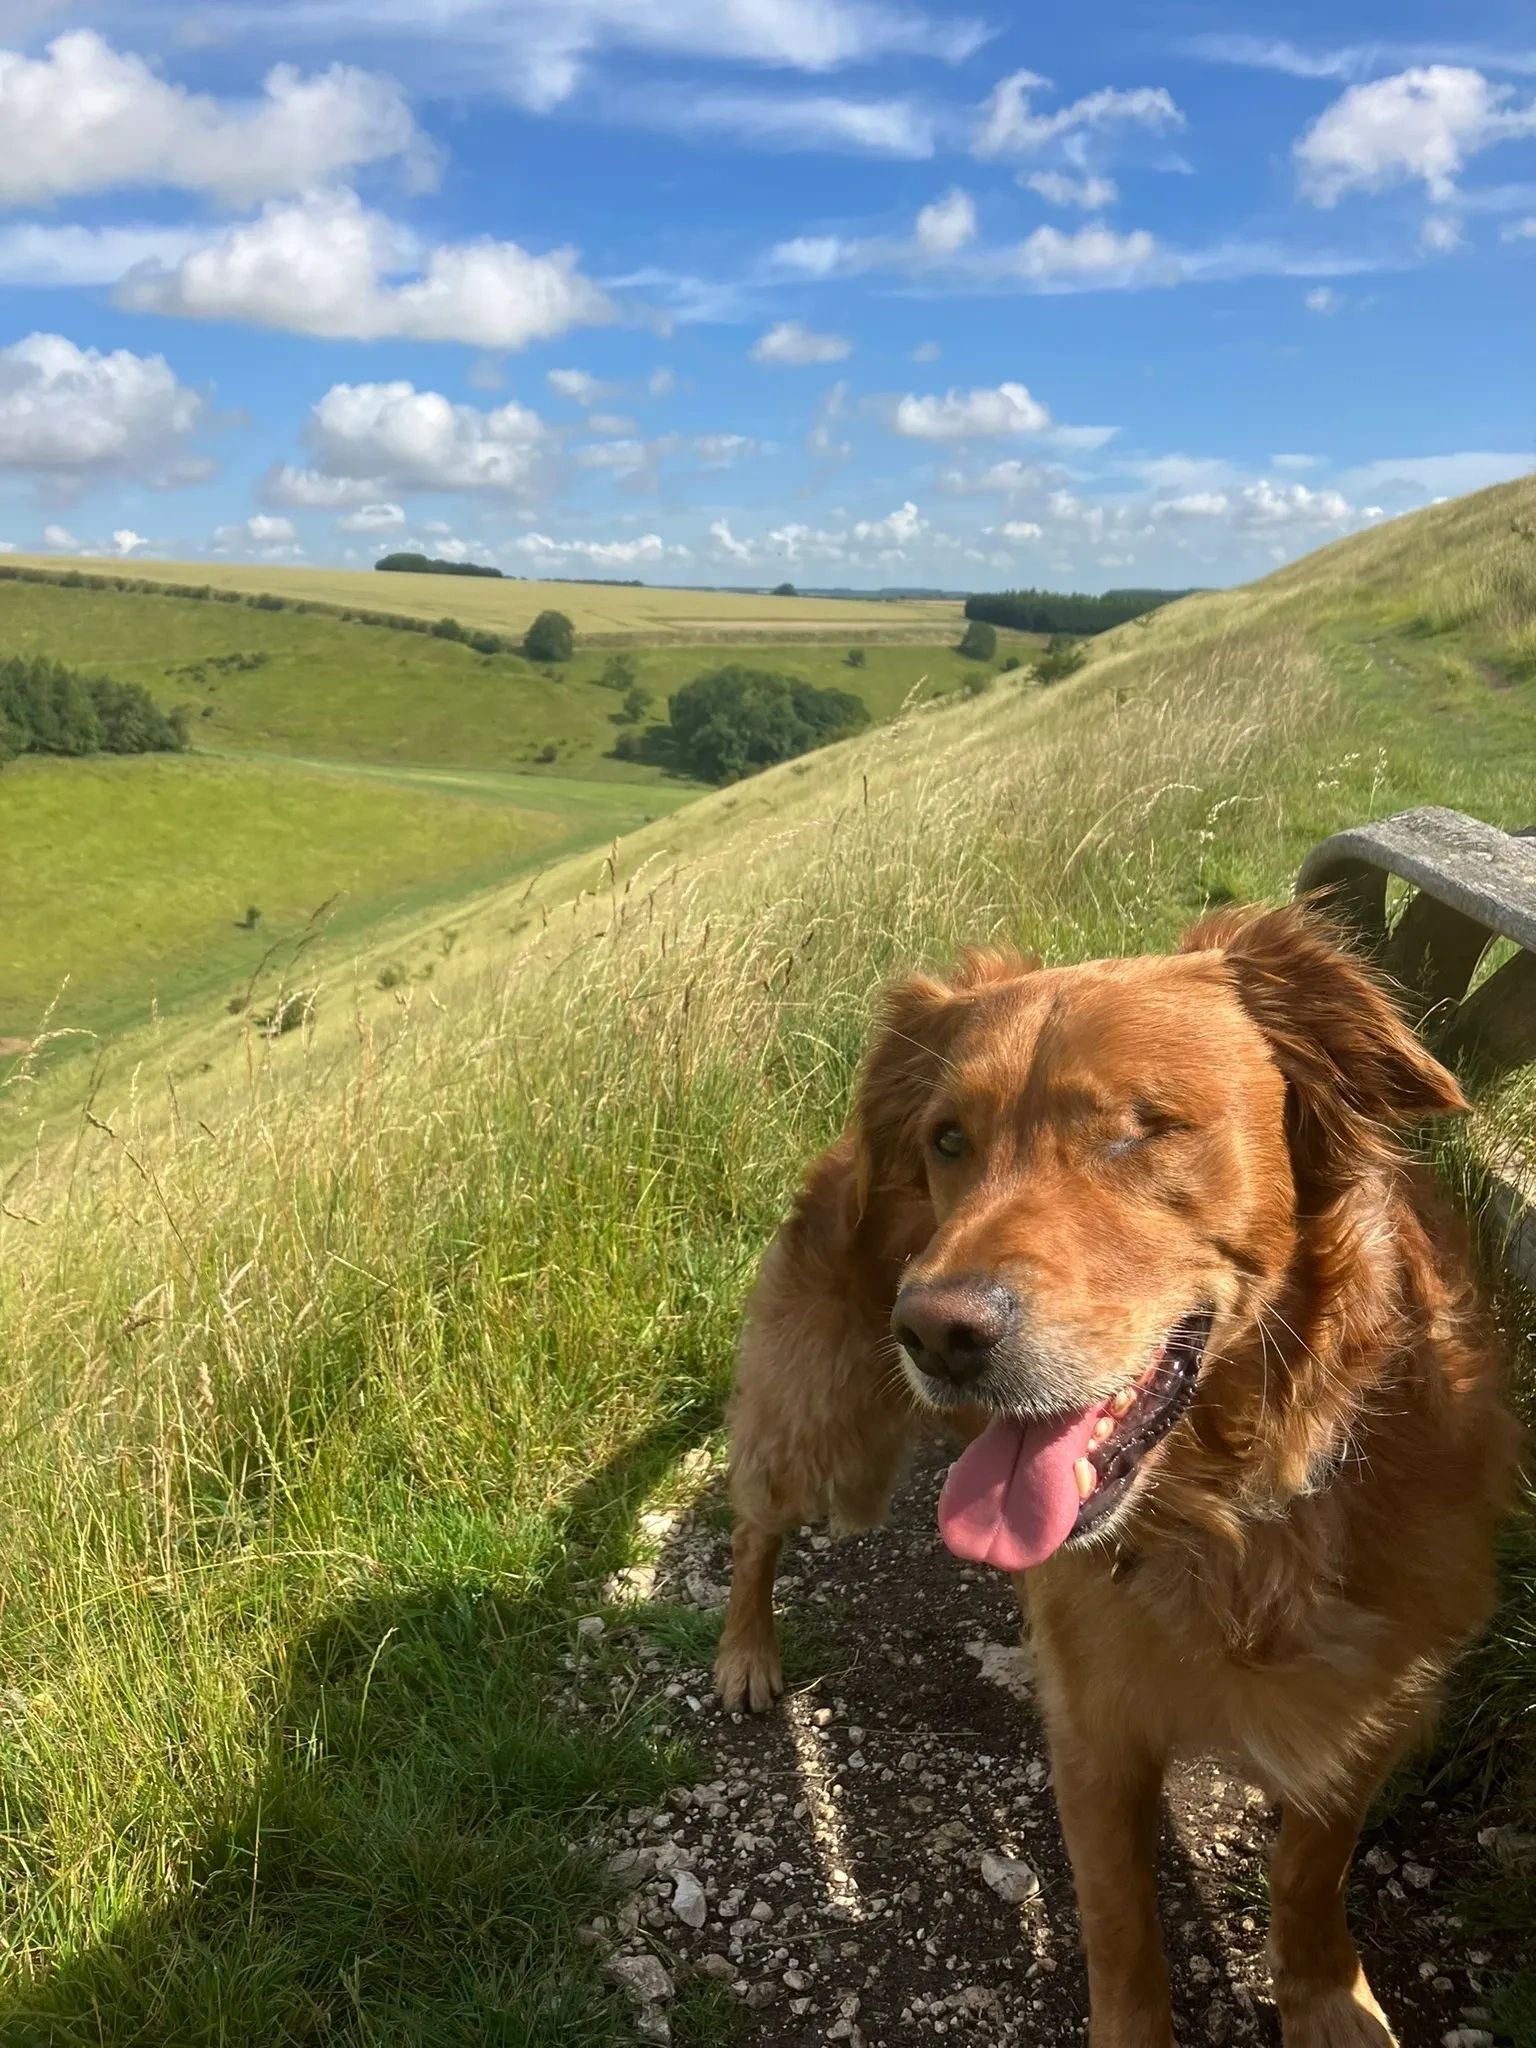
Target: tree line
{"x": 262, "y": 601}
{"x": 433, "y": 565}
{"x": 46, "y": 708}
{"x": 1054, "y": 611}
{"x": 404, "y": 562}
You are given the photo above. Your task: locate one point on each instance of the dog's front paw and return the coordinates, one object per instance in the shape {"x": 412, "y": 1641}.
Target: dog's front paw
{"x": 1338, "y": 2018}
{"x": 748, "y": 1676}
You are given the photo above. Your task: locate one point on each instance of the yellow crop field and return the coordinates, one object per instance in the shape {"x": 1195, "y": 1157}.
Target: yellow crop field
{"x": 599, "y": 611}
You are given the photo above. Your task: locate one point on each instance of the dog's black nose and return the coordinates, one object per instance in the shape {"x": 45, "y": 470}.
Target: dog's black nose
{"x": 951, "y": 1328}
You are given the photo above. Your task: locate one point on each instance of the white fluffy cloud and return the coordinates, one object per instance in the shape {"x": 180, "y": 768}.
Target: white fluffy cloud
{"x": 648, "y": 548}
{"x": 896, "y": 530}
{"x": 864, "y": 543}
{"x": 581, "y": 386}
{"x": 382, "y": 437}
{"x": 1519, "y": 230}
{"x": 1020, "y": 530}
{"x": 970, "y": 415}
{"x": 947, "y": 225}
{"x": 1322, "y": 299}
{"x": 1260, "y": 506}
{"x": 1060, "y": 188}
{"x": 377, "y": 518}
{"x": 84, "y": 117}
{"x": 59, "y": 537}
{"x": 1095, "y": 256}
{"x": 826, "y": 255}
{"x": 1442, "y": 234}
{"x": 78, "y": 413}
{"x": 1420, "y": 125}
{"x": 720, "y": 532}
{"x": 324, "y": 265}
{"x": 1010, "y": 126}
{"x": 789, "y": 344}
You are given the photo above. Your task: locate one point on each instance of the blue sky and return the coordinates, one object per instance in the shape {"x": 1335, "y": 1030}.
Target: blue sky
{"x": 852, "y": 292}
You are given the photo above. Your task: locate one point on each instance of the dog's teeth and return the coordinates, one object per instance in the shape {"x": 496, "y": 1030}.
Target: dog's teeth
{"x": 1087, "y": 1479}
{"x": 1103, "y": 1430}
{"x": 1123, "y": 1402}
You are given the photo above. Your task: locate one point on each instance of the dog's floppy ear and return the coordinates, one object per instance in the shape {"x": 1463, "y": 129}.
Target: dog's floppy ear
{"x": 1357, "y": 1073}
{"x": 916, "y": 1025}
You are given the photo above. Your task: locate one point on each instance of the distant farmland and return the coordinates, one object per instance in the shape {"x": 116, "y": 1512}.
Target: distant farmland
{"x": 610, "y": 613}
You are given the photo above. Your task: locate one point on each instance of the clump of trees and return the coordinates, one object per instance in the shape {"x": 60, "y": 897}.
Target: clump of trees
{"x": 734, "y": 721}
{"x": 979, "y": 641}
{"x": 46, "y": 708}
{"x": 551, "y": 637}
{"x": 620, "y": 672}
{"x": 1063, "y": 656}
{"x": 432, "y": 565}
{"x": 1051, "y": 611}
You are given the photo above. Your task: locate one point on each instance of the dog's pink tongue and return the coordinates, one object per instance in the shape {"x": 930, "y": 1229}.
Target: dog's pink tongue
{"x": 1011, "y": 1497}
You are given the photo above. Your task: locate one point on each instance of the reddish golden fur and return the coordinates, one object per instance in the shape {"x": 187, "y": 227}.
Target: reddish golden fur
{"x": 1310, "y": 1547}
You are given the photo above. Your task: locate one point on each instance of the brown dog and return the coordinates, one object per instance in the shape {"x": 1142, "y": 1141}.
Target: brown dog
{"x": 1145, "y": 1226}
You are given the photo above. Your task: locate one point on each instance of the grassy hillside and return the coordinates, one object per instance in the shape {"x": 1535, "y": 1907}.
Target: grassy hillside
{"x": 126, "y": 876}
{"x": 505, "y": 605}
{"x": 123, "y": 880}
{"x": 339, "y": 1375}
{"x": 294, "y": 682}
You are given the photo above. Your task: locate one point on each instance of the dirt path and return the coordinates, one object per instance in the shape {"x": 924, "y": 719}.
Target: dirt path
{"x": 827, "y": 1872}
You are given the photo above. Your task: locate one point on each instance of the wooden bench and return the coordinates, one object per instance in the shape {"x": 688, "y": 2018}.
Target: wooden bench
{"x": 1469, "y": 885}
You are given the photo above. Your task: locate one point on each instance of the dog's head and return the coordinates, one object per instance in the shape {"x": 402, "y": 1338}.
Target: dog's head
{"x": 1118, "y": 1157}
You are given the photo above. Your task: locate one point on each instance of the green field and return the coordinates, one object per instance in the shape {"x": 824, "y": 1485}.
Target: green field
{"x": 323, "y": 686}
{"x": 126, "y": 876}
{"x": 124, "y": 880}
{"x": 507, "y": 605}
{"x": 337, "y": 1379}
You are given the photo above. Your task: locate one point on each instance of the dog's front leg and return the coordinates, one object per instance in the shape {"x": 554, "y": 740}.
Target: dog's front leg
{"x": 1320, "y": 1988}
{"x": 1108, "y": 1796}
{"x": 749, "y": 1674}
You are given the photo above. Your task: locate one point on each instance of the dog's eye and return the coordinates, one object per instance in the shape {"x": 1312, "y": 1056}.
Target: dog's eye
{"x": 1152, "y": 1124}
{"x": 948, "y": 1141}
{"x": 1117, "y": 1148}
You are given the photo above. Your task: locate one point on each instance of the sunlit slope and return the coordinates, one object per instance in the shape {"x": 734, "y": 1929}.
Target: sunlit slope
{"x": 1443, "y": 600}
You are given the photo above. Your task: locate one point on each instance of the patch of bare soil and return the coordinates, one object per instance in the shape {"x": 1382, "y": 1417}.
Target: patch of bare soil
{"x": 879, "y": 1860}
